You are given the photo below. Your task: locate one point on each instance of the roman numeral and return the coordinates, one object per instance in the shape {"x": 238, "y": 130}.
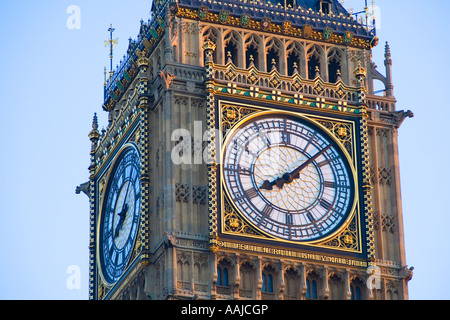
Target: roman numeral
{"x": 265, "y": 213}
{"x": 252, "y": 193}
{"x": 240, "y": 170}
{"x": 329, "y": 184}
{"x": 267, "y": 210}
{"x": 325, "y": 204}
{"x": 289, "y": 220}
{"x": 310, "y": 217}
{"x": 249, "y": 194}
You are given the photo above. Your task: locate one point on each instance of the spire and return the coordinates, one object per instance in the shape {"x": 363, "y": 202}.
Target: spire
{"x": 94, "y": 136}
{"x": 95, "y": 122}
{"x": 111, "y": 43}
{"x": 388, "y": 65}
{"x": 387, "y": 54}
{"x": 317, "y": 71}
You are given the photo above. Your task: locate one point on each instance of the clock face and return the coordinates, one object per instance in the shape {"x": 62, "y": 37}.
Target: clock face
{"x": 120, "y": 216}
{"x": 288, "y": 177}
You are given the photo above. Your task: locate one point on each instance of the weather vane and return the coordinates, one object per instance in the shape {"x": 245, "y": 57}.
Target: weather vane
{"x": 111, "y": 43}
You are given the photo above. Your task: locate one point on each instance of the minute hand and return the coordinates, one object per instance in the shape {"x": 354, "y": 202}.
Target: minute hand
{"x": 295, "y": 174}
{"x": 290, "y": 177}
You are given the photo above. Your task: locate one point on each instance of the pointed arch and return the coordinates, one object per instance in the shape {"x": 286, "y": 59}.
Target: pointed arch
{"x": 295, "y": 53}
{"x": 213, "y": 34}
{"x": 274, "y": 52}
{"x": 315, "y": 59}
{"x": 253, "y": 51}
{"x": 335, "y": 61}
{"x": 232, "y": 42}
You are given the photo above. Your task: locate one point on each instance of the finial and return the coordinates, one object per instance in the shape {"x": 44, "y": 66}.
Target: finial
{"x": 252, "y": 61}
{"x": 360, "y": 73}
{"x": 229, "y": 56}
{"x": 95, "y": 122}
{"x": 111, "y": 43}
{"x": 317, "y": 70}
{"x": 274, "y": 64}
{"x": 387, "y": 51}
{"x": 94, "y": 135}
{"x": 209, "y": 45}
{"x": 338, "y": 75}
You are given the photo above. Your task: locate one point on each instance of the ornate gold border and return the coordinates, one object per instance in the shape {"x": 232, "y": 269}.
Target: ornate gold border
{"x": 334, "y": 241}
{"x": 286, "y": 28}
{"x": 102, "y": 284}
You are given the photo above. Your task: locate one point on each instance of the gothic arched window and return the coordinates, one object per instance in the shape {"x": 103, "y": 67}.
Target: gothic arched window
{"x": 267, "y": 283}
{"x": 356, "y": 289}
{"x": 232, "y": 42}
{"x": 311, "y": 289}
{"x": 273, "y": 53}
{"x": 253, "y": 51}
{"x": 314, "y": 62}
{"x": 213, "y": 35}
{"x": 294, "y": 53}
{"x": 312, "y": 285}
{"x": 222, "y": 276}
{"x": 334, "y": 65}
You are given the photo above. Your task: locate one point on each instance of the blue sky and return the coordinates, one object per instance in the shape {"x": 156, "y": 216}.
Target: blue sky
{"x": 52, "y": 83}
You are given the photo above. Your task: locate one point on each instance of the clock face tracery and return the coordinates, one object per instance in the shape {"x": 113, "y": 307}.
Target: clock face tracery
{"x": 120, "y": 215}
{"x": 288, "y": 177}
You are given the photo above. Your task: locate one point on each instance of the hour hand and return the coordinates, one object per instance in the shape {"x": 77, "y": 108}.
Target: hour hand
{"x": 280, "y": 182}
{"x": 122, "y": 216}
{"x": 288, "y": 178}
{"x": 267, "y": 186}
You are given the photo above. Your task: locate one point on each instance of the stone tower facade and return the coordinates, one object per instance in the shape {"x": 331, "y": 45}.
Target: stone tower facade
{"x": 197, "y": 73}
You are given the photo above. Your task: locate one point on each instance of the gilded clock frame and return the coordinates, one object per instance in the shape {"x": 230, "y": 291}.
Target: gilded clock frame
{"x": 347, "y": 239}
{"x": 136, "y": 246}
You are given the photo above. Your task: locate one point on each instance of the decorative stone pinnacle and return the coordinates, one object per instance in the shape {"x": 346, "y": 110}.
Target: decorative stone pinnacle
{"x": 295, "y": 68}
{"x": 94, "y": 135}
{"x": 338, "y": 75}
{"x": 360, "y": 72}
{"x": 95, "y": 122}
{"x": 387, "y": 55}
{"x": 209, "y": 45}
{"x": 252, "y": 60}
{"x": 229, "y": 56}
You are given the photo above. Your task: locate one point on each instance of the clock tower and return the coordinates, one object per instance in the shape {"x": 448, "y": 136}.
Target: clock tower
{"x": 248, "y": 156}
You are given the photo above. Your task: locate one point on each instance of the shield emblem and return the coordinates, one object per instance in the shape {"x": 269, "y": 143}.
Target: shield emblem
{"x": 307, "y": 31}
{"x": 265, "y": 24}
{"x": 202, "y": 12}
{"x": 223, "y": 16}
{"x": 348, "y": 37}
{"x": 245, "y": 20}
{"x": 173, "y": 7}
{"x": 327, "y": 33}
{"x": 287, "y": 25}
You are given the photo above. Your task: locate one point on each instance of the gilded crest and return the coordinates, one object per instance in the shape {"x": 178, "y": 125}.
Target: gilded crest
{"x": 173, "y": 7}
{"x": 202, "y": 12}
{"x": 245, "y": 20}
{"x": 224, "y": 15}
{"x": 327, "y": 33}
{"x": 265, "y": 24}
{"x": 348, "y": 37}
{"x": 307, "y": 31}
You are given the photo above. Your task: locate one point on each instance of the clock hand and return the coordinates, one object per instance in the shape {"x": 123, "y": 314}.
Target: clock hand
{"x": 122, "y": 216}
{"x": 288, "y": 178}
{"x": 123, "y": 213}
